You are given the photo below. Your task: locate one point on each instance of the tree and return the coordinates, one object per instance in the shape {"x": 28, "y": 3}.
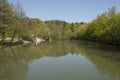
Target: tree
{"x": 105, "y": 28}
{"x": 19, "y": 19}
{"x": 6, "y": 18}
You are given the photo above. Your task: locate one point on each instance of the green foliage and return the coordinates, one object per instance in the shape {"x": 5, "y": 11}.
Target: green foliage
{"x": 56, "y": 28}
{"x": 105, "y": 28}
{"x": 38, "y": 28}
{"x": 6, "y": 19}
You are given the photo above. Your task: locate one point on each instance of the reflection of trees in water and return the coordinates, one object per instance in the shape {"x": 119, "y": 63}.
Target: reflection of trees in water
{"x": 14, "y": 61}
{"x": 12, "y": 65}
{"x": 105, "y": 58}
{"x": 53, "y": 49}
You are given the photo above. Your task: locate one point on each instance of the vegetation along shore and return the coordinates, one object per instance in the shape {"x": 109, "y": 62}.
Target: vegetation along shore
{"x": 15, "y": 27}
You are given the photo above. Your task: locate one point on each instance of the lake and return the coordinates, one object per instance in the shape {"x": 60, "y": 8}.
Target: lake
{"x": 60, "y": 60}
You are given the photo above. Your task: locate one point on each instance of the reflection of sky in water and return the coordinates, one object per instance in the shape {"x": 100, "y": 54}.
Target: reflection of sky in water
{"x": 69, "y": 67}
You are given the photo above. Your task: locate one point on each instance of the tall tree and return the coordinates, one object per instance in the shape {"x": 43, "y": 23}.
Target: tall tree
{"x": 19, "y": 16}
{"x": 6, "y": 18}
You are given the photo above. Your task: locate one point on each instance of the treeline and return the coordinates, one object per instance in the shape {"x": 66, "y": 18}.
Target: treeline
{"x": 15, "y": 25}
{"x": 105, "y": 28}
{"x": 61, "y": 30}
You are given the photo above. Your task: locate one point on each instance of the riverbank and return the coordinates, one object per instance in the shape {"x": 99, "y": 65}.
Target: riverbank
{"x": 15, "y": 43}
{"x": 101, "y": 42}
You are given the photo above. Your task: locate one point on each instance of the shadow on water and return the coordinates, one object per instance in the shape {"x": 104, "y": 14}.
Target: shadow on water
{"x": 14, "y": 61}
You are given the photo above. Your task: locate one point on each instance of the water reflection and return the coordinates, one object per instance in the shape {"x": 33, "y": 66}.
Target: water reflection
{"x": 105, "y": 58}
{"x": 13, "y": 65}
{"x": 60, "y": 61}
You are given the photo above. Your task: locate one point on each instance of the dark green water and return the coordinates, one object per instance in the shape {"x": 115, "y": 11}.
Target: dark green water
{"x": 60, "y": 61}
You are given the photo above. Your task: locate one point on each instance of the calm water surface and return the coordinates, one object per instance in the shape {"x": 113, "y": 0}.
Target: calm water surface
{"x": 68, "y": 60}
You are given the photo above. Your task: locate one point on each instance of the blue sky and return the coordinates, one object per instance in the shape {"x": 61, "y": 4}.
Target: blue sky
{"x": 68, "y": 10}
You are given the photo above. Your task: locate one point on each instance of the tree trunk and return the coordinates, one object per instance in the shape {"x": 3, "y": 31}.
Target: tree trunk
{"x": 14, "y": 33}
{"x": 19, "y": 36}
{"x": 3, "y": 36}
